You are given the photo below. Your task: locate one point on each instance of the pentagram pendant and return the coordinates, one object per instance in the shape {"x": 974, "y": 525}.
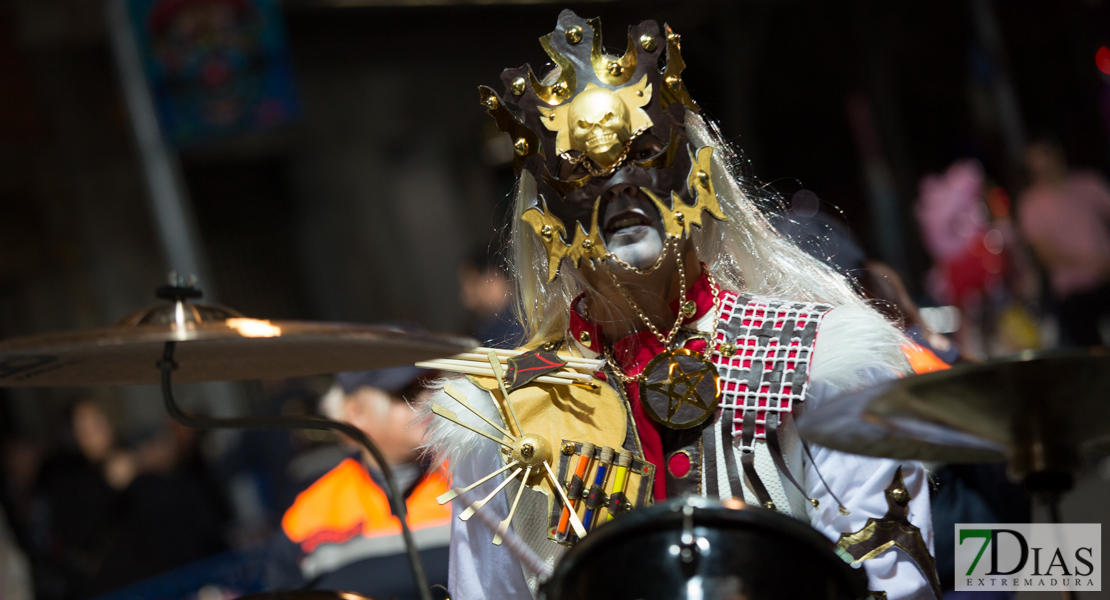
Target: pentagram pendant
{"x": 680, "y": 389}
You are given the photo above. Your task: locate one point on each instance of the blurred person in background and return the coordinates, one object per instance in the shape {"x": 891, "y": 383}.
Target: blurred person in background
{"x": 486, "y": 291}
{"x": 170, "y": 513}
{"x": 1065, "y": 217}
{"x": 77, "y": 503}
{"x": 341, "y": 533}
{"x": 967, "y": 252}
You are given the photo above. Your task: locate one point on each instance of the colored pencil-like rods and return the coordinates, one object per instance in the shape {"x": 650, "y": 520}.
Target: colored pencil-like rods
{"x": 597, "y": 490}
{"x": 617, "y": 500}
{"x": 574, "y": 491}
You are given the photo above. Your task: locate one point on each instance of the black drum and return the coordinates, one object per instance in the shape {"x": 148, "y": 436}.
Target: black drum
{"x": 697, "y": 549}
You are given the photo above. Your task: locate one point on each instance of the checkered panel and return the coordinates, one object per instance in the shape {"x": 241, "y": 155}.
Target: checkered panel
{"x": 774, "y": 342}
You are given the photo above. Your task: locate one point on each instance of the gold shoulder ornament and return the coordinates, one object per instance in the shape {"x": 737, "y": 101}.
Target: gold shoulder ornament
{"x": 559, "y": 436}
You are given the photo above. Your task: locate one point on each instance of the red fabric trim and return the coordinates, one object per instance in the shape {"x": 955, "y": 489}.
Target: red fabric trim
{"x": 702, "y": 295}
{"x": 633, "y": 353}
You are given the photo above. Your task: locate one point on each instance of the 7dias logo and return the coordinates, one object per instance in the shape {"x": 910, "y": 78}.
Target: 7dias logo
{"x": 1028, "y": 556}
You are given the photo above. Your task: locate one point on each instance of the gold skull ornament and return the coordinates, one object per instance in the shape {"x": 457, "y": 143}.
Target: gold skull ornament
{"x": 599, "y": 125}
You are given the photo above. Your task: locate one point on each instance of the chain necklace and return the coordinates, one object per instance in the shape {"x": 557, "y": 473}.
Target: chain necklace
{"x": 666, "y": 341}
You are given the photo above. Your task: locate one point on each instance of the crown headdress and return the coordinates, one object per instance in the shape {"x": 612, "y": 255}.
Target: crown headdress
{"x": 588, "y": 111}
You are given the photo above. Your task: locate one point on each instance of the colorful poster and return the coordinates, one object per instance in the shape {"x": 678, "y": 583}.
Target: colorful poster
{"x": 215, "y": 67}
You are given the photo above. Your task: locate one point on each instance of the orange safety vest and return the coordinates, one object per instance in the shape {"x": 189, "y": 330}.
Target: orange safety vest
{"x": 346, "y": 503}
{"x": 923, "y": 360}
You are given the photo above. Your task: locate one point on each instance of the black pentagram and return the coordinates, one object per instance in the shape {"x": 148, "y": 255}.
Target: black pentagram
{"x": 679, "y": 389}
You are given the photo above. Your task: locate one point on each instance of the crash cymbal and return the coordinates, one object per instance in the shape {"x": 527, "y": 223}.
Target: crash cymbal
{"x": 1041, "y": 411}
{"x": 214, "y": 343}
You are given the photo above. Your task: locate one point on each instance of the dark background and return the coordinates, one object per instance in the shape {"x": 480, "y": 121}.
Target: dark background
{"x": 362, "y": 210}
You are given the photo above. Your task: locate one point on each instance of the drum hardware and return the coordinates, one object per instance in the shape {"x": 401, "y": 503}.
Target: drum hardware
{"x": 1042, "y": 412}
{"x": 200, "y": 342}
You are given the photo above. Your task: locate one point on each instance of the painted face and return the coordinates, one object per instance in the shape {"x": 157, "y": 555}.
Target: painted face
{"x": 605, "y": 142}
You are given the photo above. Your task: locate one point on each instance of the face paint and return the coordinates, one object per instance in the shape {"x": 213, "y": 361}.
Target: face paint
{"x": 605, "y": 141}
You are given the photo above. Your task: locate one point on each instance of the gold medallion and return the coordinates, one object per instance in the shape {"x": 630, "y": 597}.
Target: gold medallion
{"x": 680, "y": 389}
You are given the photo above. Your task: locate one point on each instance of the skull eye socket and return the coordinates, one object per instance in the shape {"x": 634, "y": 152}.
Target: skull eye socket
{"x": 582, "y": 125}
{"x": 609, "y": 119}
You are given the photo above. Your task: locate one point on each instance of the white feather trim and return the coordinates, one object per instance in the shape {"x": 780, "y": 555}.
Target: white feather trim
{"x": 446, "y": 441}
{"x": 852, "y": 341}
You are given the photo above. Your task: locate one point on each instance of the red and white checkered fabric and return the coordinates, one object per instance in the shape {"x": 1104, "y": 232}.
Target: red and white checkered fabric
{"x": 774, "y": 342}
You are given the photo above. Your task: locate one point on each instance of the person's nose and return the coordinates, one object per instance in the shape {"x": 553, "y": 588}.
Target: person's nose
{"x": 621, "y": 189}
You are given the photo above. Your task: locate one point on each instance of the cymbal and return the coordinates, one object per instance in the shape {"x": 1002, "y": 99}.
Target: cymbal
{"x": 214, "y": 343}
{"x": 1042, "y": 411}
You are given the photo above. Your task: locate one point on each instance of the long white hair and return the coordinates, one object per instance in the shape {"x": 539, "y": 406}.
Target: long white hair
{"x": 744, "y": 253}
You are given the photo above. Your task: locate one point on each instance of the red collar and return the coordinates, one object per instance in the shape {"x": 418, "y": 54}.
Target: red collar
{"x": 589, "y": 333}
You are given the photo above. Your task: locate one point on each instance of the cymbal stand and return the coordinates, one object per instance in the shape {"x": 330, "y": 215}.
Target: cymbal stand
{"x": 397, "y": 504}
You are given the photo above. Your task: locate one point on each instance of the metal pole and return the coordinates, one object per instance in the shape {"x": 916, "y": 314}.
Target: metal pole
{"x": 169, "y": 197}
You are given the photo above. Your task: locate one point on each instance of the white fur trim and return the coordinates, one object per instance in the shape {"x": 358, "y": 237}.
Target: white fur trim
{"x": 853, "y": 338}
{"x": 447, "y": 442}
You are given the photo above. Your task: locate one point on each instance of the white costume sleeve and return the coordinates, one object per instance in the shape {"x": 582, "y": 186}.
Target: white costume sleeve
{"x": 477, "y": 570}
{"x": 860, "y": 483}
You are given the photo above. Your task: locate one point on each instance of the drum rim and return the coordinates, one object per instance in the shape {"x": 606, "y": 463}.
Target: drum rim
{"x": 706, "y": 513}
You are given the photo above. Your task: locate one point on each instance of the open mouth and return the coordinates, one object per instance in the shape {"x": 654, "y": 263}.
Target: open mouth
{"x": 625, "y": 221}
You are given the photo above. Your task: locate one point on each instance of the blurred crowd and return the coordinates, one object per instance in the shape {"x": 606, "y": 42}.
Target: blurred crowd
{"x": 1022, "y": 275}
{"x": 93, "y": 513}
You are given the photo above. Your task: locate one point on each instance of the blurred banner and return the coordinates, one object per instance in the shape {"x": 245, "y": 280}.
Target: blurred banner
{"x": 215, "y": 67}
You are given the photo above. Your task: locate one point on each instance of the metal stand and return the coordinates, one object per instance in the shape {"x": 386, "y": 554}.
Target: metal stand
{"x": 1050, "y": 498}
{"x": 167, "y": 365}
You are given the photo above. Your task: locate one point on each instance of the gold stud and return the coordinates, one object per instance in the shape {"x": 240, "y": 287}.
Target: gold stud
{"x": 769, "y": 505}
{"x": 574, "y": 35}
{"x": 551, "y": 117}
{"x": 728, "y": 350}
{"x": 680, "y": 218}
{"x": 647, "y": 42}
{"x": 674, "y": 38}
{"x": 546, "y": 233}
{"x": 815, "y": 502}
{"x": 703, "y": 178}
{"x": 673, "y": 81}
{"x": 587, "y": 244}
{"x": 615, "y": 68}
{"x": 568, "y": 448}
{"x": 549, "y": 346}
{"x": 900, "y": 496}
{"x": 640, "y": 93}
{"x": 491, "y": 102}
{"x": 689, "y": 308}
{"x": 520, "y": 146}
{"x": 584, "y": 337}
{"x": 518, "y": 86}
{"x": 560, "y": 89}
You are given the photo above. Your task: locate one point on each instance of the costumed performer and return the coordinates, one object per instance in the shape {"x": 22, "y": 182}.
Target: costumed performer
{"x": 637, "y": 253}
